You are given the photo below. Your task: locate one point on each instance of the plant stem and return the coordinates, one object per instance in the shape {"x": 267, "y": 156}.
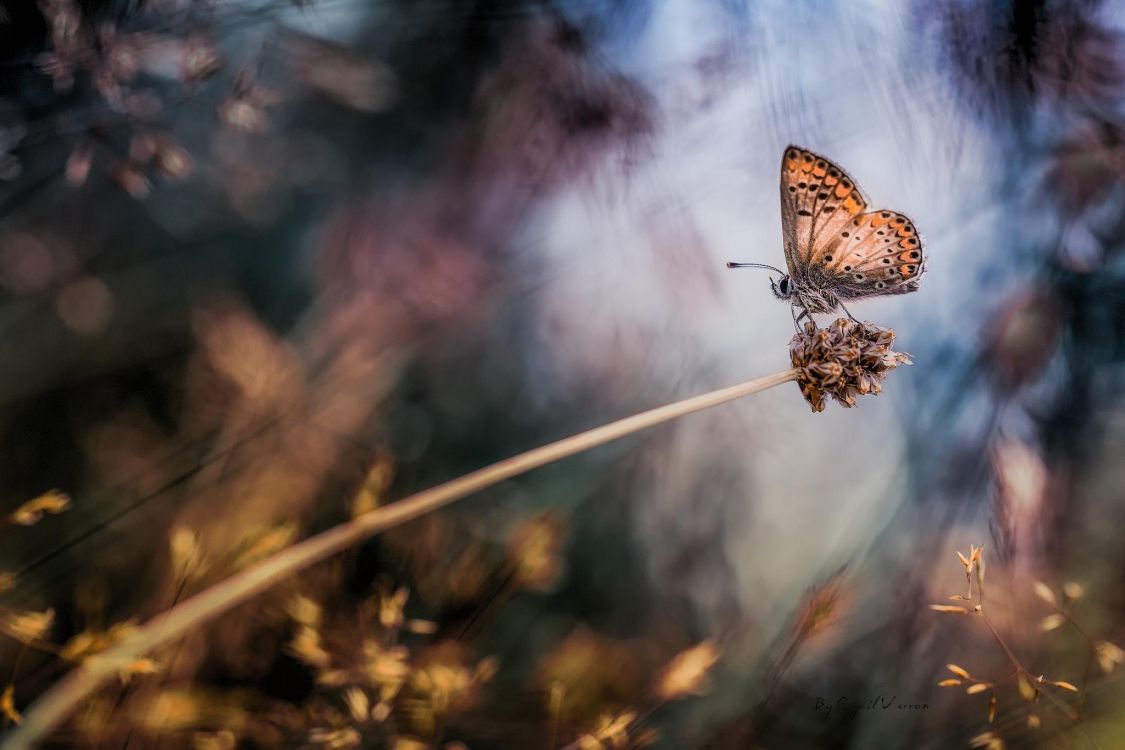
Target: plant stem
{"x": 1033, "y": 679}
{"x": 61, "y": 699}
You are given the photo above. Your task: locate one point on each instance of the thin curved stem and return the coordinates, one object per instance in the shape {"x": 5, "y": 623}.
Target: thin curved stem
{"x": 61, "y": 699}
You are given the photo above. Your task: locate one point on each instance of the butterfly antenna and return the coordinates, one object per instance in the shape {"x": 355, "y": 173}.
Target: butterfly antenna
{"x": 755, "y": 265}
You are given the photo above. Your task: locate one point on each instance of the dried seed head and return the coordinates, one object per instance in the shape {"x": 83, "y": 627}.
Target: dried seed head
{"x": 845, "y": 359}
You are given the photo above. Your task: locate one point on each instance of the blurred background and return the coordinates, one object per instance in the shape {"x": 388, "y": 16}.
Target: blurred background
{"x": 266, "y": 265}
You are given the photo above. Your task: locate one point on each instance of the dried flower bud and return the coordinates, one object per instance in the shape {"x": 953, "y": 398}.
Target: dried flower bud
{"x": 845, "y": 359}
{"x": 949, "y": 609}
{"x": 980, "y": 687}
{"x": 1073, "y": 590}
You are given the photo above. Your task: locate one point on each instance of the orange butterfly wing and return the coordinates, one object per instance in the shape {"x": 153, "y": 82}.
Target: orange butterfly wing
{"x": 879, "y": 252}
{"x": 832, "y": 244}
{"x": 817, "y": 200}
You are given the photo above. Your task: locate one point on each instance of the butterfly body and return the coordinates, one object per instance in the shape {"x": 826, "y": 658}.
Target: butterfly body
{"x": 835, "y": 249}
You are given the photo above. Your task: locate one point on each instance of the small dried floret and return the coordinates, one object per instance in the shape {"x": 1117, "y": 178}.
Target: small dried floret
{"x": 988, "y": 741}
{"x": 8, "y": 704}
{"x": 390, "y": 607}
{"x": 27, "y": 627}
{"x": 1109, "y": 656}
{"x": 335, "y": 738}
{"x": 535, "y": 551}
{"x": 844, "y": 360}
{"x": 959, "y": 671}
{"x": 1073, "y": 590}
{"x": 1043, "y": 591}
{"x": 687, "y": 672}
{"x": 1050, "y": 622}
{"x": 949, "y": 609}
{"x": 53, "y": 502}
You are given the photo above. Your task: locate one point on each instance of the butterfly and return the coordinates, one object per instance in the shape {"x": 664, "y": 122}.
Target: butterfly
{"x": 835, "y": 249}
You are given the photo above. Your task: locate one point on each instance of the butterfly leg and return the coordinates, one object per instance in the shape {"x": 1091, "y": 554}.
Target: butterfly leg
{"x": 797, "y": 318}
{"x": 849, "y": 312}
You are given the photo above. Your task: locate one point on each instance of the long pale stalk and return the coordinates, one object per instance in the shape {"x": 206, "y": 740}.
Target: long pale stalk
{"x": 62, "y": 698}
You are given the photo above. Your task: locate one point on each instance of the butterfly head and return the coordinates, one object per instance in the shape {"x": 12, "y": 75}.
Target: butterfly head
{"x": 783, "y": 288}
